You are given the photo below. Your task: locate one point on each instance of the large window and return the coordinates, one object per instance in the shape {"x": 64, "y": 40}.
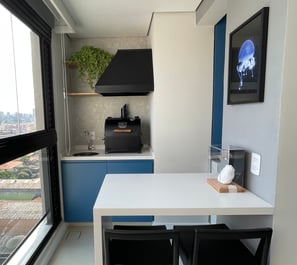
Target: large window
{"x": 21, "y": 105}
{"x": 29, "y": 190}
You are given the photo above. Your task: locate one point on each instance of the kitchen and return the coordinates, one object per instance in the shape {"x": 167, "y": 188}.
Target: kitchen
{"x": 177, "y": 115}
{"x": 174, "y": 38}
{"x": 151, "y": 109}
{"x": 188, "y": 49}
{"x": 89, "y": 112}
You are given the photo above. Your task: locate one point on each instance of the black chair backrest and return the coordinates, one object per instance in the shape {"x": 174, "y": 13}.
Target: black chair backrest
{"x": 187, "y": 237}
{"x": 140, "y": 227}
{"x": 219, "y": 239}
{"x": 153, "y": 236}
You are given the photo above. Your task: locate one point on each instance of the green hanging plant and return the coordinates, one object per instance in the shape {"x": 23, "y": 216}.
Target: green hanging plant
{"x": 91, "y": 63}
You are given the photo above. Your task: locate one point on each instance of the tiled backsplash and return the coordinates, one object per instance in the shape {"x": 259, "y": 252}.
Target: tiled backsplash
{"x": 89, "y": 113}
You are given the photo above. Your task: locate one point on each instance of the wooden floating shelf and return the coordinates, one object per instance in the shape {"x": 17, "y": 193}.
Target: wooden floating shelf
{"x": 82, "y": 94}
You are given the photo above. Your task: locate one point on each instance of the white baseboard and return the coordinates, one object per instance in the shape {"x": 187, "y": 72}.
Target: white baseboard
{"x": 52, "y": 245}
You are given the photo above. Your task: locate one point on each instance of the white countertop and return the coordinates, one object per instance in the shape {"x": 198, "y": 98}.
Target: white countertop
{"x": 146, "y": 154}
{"x": 167, "y": 194}
{"x": 173, "y": 194}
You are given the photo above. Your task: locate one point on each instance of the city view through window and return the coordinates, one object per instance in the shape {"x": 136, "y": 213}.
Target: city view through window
{"x": 21, "y": 112}
{"x": 21, "y": 206}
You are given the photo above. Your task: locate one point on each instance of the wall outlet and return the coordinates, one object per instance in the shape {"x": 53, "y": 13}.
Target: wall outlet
{"x": 255, "y": 164}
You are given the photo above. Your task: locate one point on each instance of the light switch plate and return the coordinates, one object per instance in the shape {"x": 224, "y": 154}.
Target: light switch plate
{"x": 255, "y": 164}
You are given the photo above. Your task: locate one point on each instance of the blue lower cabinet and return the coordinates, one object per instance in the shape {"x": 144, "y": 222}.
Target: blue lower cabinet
{"x": 131, "y": 166}
{"x": 82, "y": 180}
{"x": 81, "y": 183}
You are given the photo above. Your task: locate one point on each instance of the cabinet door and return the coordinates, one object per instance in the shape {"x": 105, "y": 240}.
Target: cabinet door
{"x": 81, "y": 183}
{"x": 131, "y": 166}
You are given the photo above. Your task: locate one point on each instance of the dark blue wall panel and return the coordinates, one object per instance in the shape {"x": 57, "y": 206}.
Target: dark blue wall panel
{"x": 218, "y": 88}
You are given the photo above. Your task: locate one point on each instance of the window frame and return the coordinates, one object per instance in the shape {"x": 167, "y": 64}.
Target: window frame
{"x": 17, "y": 146}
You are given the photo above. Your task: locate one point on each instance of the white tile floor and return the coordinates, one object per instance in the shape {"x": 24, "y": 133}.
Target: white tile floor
{"x": 76, "y": 247}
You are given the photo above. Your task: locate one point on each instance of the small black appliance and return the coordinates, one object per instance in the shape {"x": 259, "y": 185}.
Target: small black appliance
{"x": 123, "y": 134}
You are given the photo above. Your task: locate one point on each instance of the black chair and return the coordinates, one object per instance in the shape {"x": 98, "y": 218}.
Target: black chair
{"x": 140, "y": 227}
{"x": 187, "y": 237}
{"x": 141, "y": 245}
{"x": 217, "y": 244}
{"x": 229, "y": 246}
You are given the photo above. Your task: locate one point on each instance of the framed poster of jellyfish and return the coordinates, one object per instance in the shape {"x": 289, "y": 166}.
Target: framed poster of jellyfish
{"x": 247, "y": 60}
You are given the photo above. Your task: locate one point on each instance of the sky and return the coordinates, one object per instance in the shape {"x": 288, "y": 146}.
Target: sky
{"x": 16, "y": 81}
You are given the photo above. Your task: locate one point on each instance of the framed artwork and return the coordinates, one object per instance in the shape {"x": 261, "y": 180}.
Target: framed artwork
{"x": 247, "y": 60}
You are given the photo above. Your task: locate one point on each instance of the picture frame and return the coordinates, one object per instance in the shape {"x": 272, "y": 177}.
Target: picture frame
{"x": 247, "y": 60}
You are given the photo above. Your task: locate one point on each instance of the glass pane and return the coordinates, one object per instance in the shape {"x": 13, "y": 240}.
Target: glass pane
{"x": 21, "y": 103}
{"x": 22, "y": 200}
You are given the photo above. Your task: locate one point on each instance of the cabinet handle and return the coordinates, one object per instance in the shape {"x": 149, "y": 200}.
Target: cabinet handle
{"x": 122, "y": 130}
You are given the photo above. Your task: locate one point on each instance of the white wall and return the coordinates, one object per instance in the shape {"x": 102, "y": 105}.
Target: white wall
{"x": 255, "y": 126}
{"x": 182, "y": 99}
{"x": 270, "y": 128}
{"x": 285, "y": 232}
{"x": 57, "y": 62}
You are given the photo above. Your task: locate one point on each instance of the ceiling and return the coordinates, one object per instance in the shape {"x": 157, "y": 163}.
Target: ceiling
{"x": 112, "y": 18}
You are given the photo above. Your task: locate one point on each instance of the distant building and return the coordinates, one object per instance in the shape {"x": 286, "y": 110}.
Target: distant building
{"x": 10, "y": 165}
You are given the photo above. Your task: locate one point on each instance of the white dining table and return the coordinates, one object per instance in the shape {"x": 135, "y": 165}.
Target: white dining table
{"x": 174, "y": 194}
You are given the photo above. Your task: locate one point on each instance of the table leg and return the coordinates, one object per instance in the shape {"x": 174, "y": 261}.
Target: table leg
{"x": 98, "y": 239}
{"x": 100, "y": 222}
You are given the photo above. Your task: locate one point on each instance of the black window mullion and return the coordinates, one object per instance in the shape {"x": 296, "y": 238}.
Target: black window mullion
{"x": 54, "y": 185}
{"x": 26, "y": 13}
{"x": 17, "y": 146}
{"x": 46, "y": 67}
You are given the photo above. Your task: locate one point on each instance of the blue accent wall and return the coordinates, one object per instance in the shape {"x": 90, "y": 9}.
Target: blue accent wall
{"x": 218, "y": 82}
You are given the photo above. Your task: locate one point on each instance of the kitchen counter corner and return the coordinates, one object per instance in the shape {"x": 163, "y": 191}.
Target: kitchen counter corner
{"x": 146, "y": 154}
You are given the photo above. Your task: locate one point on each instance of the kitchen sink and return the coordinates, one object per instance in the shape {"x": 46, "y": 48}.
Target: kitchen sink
{"x": 86, "y": 153}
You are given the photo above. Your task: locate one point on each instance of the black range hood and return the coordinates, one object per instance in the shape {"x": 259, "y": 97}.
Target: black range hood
{"x": 129, "y": 73}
